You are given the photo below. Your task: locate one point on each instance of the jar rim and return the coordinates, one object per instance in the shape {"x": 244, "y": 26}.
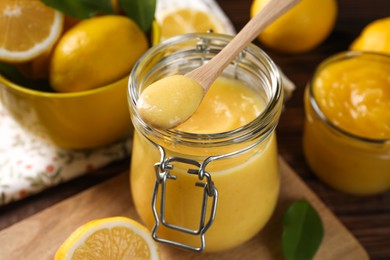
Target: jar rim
{"x": 316, "y": 107}
{"x": 241, "y": 134}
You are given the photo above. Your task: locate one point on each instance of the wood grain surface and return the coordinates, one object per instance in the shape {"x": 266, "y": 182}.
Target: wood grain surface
{"x": 368, "y": 218}
{"x": 39, "y": 236}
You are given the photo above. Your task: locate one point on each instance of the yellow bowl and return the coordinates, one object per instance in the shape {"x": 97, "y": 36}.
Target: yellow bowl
{"x": 78, "y": 120}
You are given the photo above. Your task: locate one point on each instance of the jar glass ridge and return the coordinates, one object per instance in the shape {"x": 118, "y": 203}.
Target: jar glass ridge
{"x": 230, "y": 152}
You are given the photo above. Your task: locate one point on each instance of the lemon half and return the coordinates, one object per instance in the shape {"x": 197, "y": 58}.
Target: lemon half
{"x": 187, "y": 20}
{"x": 109, "y": 238}
{"x": 23, "y": 36}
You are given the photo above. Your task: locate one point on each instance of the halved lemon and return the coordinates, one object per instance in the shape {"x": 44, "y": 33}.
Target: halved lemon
{"x": 186, "y": 20}
{"x": 28, "y": 29}
{"x": 109, "y": 238}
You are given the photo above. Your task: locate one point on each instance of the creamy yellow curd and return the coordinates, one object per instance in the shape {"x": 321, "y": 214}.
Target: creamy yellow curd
{"x": 347, "y": 131}
{"x": 227, "y": 106}
{"x": 170, "y": 101}
{"x": 247, "y": 184}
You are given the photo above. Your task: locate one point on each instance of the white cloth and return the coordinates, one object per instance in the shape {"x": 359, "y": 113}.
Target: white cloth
{"x": 29, "y": 164}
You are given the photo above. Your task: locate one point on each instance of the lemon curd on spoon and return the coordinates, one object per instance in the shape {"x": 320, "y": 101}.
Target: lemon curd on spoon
{"x": 347, "y": 131}
{"x": 170, "y": 101}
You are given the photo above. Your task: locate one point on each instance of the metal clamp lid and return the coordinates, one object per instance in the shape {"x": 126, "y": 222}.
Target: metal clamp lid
{"x": 162, "y": 170}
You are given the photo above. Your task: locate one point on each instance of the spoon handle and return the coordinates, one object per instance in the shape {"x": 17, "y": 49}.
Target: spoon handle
{"x": 207, "y": 74}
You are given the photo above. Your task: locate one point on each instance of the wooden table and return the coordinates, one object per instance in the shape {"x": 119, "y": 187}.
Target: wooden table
{"x": 368, "y": 218}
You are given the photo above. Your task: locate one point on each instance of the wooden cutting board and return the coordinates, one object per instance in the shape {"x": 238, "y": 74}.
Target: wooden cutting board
{"x": 39, "y": 236}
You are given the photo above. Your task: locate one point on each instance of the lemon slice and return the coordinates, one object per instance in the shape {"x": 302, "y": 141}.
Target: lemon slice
{"x": 28, "y": 29}
{"x": 109, "y": 238}
{"x": 188, "y": 20}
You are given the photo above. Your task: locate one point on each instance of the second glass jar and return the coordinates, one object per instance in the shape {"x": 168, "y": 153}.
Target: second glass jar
{"x": 346, "y": 161}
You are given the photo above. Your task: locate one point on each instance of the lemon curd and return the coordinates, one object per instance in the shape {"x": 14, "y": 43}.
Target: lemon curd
{"x": 247, "y": 190}
{"x": 347, "y": 131}
{"x": 159, "y": 102}
{"x": 230, "y": 138}
{"x": 227, "y": 106}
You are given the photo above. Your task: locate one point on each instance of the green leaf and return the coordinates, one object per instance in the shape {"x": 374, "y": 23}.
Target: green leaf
{"x": 81, "y": 9}
{"x": 11, "y": 73}
{"x": 140, "y": 11}
{"x": 302, "y": 231}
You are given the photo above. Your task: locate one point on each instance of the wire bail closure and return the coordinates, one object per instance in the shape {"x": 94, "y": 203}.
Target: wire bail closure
{"x": 162, "y": 170}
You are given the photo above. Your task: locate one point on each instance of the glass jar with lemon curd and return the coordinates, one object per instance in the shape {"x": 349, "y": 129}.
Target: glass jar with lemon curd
{"x": 211, "y": 183}
{"x": 347, "y": 128}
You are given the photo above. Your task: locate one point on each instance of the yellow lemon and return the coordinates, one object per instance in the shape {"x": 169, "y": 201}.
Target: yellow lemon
{"x": 96, "y": 52}
{"x": 302, "y": 28}
{"x": 118, "y": 238}
{"x": 186, "y": 20}
{"x": 374, "y": 37}
{"x": 28, "y": 29}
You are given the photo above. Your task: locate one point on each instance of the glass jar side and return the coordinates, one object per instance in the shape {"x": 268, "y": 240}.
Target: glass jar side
{"x": 248, "y": 188}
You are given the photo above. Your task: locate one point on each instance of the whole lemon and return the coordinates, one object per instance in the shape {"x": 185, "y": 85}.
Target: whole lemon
{"x": 302, "y": 28}
{"x": 95, "y": 52}
{"x": 374, "y": 37}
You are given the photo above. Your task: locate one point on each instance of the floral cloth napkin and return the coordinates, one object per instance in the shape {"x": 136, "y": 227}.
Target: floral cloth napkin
{"x": 29, "y": 165}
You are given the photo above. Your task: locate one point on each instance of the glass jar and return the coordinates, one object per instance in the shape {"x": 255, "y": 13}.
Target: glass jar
{"x": 206, "y": 191}
{"x": 342, "y": 159}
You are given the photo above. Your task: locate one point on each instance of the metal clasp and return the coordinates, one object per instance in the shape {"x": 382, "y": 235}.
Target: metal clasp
{"x": 162, "y": 170}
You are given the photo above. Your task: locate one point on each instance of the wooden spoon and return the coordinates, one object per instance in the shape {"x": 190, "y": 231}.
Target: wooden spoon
{"x": 206, "y": 74}
{"x": 171, "y": 101}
